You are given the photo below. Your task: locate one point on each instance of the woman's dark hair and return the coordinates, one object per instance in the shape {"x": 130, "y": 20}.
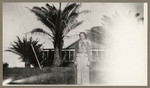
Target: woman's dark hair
{"x": 84, "y": 34}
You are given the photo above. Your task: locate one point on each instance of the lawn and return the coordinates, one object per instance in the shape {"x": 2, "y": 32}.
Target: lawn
{"x": 47, "y": 75}
{"x": 55, "y": 75}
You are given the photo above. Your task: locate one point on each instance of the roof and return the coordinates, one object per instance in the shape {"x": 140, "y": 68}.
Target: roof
{"x": 95, "y": 35}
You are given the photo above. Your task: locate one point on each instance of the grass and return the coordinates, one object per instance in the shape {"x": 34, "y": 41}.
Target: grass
{"x": 47, "y": 75}
{"x": 55, "y": 75}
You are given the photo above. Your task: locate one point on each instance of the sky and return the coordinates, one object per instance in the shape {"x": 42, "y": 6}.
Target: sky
{"x": 18, "y": 20}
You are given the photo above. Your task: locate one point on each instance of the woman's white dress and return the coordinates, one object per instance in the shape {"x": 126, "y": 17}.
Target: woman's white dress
{"x": 82, "y": 59}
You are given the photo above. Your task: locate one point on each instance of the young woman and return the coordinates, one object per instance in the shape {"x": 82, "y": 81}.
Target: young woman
{"x": 83, "y": 56}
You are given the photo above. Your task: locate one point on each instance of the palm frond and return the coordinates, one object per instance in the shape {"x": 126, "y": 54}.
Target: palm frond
{"x": 74, "y": 25}
{"x": 85, "y": 12}
{"x": 69, "y": 7}
{"x": 69, "y": 11}
{"x": 44, "y": 18}
{"x": 39, "y": 30}
{"x": 13, "y": 51}
{"x": 39, "y": 11}
{"x": 44, "y": 10}
{"x": 71, "y": 27}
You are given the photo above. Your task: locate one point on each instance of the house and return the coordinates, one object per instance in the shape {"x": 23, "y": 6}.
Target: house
{"x": 68, "y": 53}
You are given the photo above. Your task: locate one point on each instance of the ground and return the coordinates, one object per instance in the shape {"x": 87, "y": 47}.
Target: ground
{"x": 47, "y": 75}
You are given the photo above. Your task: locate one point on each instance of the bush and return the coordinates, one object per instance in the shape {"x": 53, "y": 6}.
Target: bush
{"x": 5, "y": 65}
{"x": 67, "y": 64}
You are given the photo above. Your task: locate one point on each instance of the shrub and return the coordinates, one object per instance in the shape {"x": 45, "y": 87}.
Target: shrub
{"x": 5, "y": 65}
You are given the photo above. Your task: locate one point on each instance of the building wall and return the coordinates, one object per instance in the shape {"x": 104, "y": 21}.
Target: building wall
{"x": 68, "y": 55}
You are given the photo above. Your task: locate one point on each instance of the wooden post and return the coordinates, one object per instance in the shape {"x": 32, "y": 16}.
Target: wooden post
{"x": 69, "y": 54}
{"x": 36, "y": 56}
{"x": 47, "y": 52}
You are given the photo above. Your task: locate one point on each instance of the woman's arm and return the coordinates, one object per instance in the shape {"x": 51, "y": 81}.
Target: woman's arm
{"x": 76, "y": 51}
{"x": 89, "y": 50}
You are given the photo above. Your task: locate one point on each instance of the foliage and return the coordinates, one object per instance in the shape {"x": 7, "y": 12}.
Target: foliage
{"x": 24, "y": 50}
{"x": 5, "y": 65}
{"x": 96, "y": 34}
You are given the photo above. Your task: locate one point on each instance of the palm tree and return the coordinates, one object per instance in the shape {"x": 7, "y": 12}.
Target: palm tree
{"x": 24, "y": 50}
{"x": 59, "y": 22}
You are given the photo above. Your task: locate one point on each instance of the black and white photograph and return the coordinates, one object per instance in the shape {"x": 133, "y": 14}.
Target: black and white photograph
{"x": 74, "y": 44}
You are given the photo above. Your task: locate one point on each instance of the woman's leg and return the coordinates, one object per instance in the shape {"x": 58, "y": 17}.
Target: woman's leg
{"x": 85, "y": 71}
{"x": 78, "y": 70}
{"x": 85, "y": 75}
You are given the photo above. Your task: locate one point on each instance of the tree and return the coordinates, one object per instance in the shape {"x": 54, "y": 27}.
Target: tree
{"x": 96, "y": 34}
{"x": 24, "y": 50}
{"x": 59, "y": 22}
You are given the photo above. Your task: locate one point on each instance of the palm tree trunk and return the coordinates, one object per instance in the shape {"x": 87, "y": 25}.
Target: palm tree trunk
{"x": 58, "y": 54}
